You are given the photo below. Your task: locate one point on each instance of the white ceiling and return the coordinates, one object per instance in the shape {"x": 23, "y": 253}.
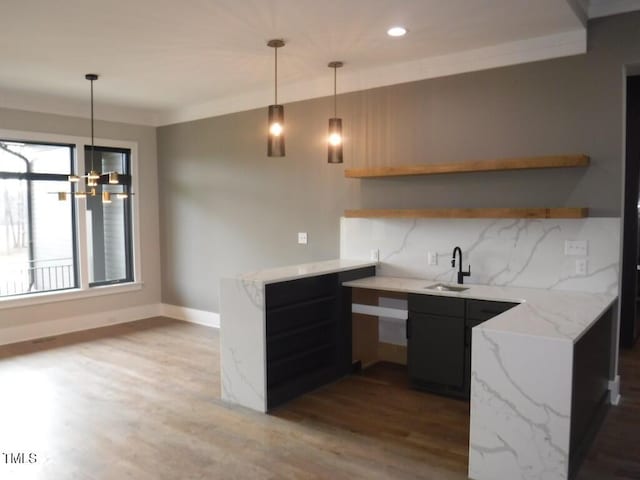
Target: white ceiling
{"x": 163, "y": 61}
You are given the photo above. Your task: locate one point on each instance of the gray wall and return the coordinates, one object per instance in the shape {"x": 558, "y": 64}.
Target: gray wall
{"x": 226, "y": 208}
{"x": 147, "y": 200}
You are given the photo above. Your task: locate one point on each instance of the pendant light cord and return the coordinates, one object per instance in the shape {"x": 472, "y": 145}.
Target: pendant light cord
{"x": 275, "y": 44}
{"x": 276, "y": 75}
{"x": 335, "y": 89}
{"x": 92, "y": 128}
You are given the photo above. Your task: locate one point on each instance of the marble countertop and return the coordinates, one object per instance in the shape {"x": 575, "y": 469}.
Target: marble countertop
{"x": 293, "y": 272}
{"x": 551, "y": 314}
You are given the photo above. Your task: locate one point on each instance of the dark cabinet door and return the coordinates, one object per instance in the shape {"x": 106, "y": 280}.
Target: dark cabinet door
{"x": 435, "y": 305}
{"x": 436, "y": 349}
{"x": 307, "y": 322}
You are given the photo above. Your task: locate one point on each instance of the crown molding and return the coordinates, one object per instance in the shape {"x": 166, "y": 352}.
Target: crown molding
{"x": 563, "y": 44}
{"x": 580, "y": 9}
{"x": 42, "y": 103}
{"x": 604, "y": 8}
{"x": 522, "y": 51}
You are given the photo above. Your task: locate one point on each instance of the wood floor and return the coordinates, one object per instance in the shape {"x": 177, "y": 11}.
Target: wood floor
{"x": 141, "y": 401}
{"x": 615, "y": 452}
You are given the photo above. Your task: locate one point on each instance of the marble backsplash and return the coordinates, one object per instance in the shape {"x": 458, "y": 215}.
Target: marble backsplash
{"x": 513, "y": 252}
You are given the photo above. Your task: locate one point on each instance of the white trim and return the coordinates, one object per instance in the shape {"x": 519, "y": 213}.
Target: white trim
{"x": 85, "y": 291}
{"x": 35, "y": 136}
{"x": 28, "y": 300}
{"x": 562, "y": 44}
{"x": 631, "y": 70}
{"x": 615, "y": 341}
{"x": 604, "y": 8}
{"x": 44, "y": 103}
{"x": 377, "y": 311}
{"x": 614, "y": 391}
{"x": 192, "y": 315}
{"x": 82, "y": 248}
{"x": 135, "y": 212}
{"x": 32, "y": 331}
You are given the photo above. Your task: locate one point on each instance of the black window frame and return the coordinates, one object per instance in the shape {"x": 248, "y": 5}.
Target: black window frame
{"x": 43, "y": 177}
{"x": 125, "y": 181}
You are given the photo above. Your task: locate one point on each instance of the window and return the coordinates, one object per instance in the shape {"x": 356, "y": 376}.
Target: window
{"x": 49, "y": 245}
{"x": 109, "y": 223}
{"x": 37, "y": 233}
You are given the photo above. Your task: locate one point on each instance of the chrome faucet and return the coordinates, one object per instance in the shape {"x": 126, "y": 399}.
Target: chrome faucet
{"x": 461, "y": 274}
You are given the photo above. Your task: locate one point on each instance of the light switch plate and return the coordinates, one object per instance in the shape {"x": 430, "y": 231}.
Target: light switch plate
{"x": 432, "y": 258}
{"x": 581, "y": 267}
{"x": 575, "y": 247}
{"x": 375, "y": 255}
{"x": 302, "y": 238}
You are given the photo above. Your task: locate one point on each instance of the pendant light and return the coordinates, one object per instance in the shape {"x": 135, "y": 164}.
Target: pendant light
{"x": 275, "y": 143}
{"x": 334, "y": 140}
{"x": 94, "y": 177}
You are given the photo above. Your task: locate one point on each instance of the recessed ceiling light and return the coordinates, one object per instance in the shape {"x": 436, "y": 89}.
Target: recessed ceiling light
{"x": 397, "y": 31}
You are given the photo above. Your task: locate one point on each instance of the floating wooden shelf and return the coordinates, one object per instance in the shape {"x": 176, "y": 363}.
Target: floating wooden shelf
{"x": 471, "y": 213}
{"x": 556, "y": 161}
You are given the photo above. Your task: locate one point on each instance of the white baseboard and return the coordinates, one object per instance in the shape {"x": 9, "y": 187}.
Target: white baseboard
{"x": 32, "y": 331}
{"x": 192, "y": 315}
{"x": 614, "y": 391}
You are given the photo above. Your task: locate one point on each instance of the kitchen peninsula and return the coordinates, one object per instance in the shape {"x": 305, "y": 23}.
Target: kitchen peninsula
{"x": 275, "y": 325}
{"x": 541, "y": 372}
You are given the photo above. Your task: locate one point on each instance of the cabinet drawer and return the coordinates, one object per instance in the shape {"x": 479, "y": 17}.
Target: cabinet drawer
{"x": 435, "y": 305}
{"x": 301, "y": 315}
{"x": 294, "y": 367}
{"x": 484, "y": 309}
{"x": 301, "y": 340}
{"x": 296, "y": 386}
{"x": 296, "y": 291}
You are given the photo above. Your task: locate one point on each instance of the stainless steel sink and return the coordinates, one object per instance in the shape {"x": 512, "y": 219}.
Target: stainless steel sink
{"x": 442, "y": 287}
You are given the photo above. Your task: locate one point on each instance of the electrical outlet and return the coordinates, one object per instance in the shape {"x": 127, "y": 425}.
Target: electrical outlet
{"x": 375, "y": 255}
{"x": 432, "y": 258}
{"x": 302, "y": 238}
{"x": 581, "y": 267}
{"x": 575, "y": 247}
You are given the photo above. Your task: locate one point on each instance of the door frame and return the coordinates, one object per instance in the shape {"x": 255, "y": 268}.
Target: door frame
{"x": 629, "y": 238}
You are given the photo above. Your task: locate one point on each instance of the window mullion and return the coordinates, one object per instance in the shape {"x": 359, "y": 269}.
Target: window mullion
{"x": 102, "y": 238}
{"x": 81, "y": 225}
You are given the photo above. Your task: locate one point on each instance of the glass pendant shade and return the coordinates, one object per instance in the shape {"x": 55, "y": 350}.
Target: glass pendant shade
{"x": 114, "y": 178}
{"x": 275, "y": 138}
{"x": 275, "y": 144}
{"x": 335, "y": 140}
{"x": 106, "y": 197}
